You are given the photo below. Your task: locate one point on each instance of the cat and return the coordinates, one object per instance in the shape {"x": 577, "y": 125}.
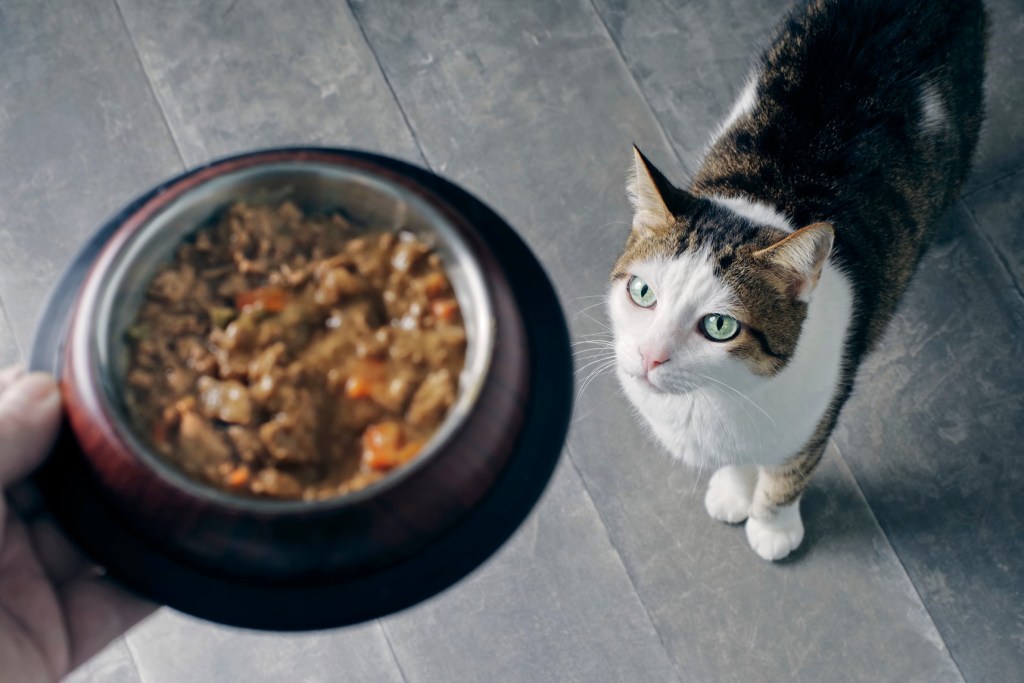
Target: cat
{"x": 742, "y": 306}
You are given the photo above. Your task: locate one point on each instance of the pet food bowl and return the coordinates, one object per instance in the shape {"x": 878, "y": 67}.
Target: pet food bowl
{"x": 291, "y": 564}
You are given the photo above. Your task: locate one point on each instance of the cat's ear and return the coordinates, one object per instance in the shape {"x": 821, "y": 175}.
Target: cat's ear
{"x": 646, "y": 188}
{"x": 799, "y": 258}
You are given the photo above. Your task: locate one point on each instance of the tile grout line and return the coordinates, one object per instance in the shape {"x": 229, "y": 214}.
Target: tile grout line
{"x": 848, "y": 471}
{"x": 622, "y": 563}
{"x": 666, "y": 137}
{"x": 997, "y": 254}
{"x": 387, "y": 82}
{"x": 132, "y": 656}
{"x": 152, "y": 86}
{"x": 989, "y": 183}
{"x": 391, "y": 650}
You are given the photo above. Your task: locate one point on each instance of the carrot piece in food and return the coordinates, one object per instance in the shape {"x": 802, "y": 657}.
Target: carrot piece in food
{"x": 382, "y": 445}
{"x": 366, "y": 378}
{"x": 270, "y": 298}
{"x": 238, "y": 477}
{"x": 435, "y": 284}
{"x": 357, "y": 386}
{"x": 444, "y": 309}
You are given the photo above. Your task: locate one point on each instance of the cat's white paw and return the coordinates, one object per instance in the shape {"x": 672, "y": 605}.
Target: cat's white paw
{"x": 730, "y": 493}
{"x": 776, "y": 538}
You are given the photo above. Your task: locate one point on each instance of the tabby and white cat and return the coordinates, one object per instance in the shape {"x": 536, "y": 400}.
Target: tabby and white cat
{"x": 743, "y": 305}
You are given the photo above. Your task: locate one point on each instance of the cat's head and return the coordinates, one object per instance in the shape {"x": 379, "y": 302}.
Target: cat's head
{"x": 702, "y": 294}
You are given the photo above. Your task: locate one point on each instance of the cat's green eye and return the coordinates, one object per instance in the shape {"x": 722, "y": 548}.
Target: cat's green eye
{"x": 718, "y": 327}
{"x": 641, "y": 293}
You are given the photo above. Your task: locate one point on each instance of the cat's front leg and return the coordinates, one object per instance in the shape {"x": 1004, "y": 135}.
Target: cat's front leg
{"x": 775, "y": 528}
{"x": 731, "y": 493}
{"x": 776, "y": 531}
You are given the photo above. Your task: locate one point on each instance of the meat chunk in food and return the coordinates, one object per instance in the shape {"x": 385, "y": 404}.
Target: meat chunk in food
{"x": 172, "y": 286}
{"x": 337, "y": 283}
{"x": 225, "y": 401}
{"x": 247, "y": 444}
{"x": 290, "y": 438}
{"x": 274, "y": 482}
{"x": 200, "y": 442}
{"x": 433, "y": 398}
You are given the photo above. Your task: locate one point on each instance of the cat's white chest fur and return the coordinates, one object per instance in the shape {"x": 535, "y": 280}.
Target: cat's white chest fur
{"x": 716, "y": 424}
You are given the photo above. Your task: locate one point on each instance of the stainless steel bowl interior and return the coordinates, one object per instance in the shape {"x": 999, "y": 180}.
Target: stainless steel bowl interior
{"x": 368, "y": 201}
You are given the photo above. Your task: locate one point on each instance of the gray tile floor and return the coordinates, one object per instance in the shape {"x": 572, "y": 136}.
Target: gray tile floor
{"x": 912, "y": 567}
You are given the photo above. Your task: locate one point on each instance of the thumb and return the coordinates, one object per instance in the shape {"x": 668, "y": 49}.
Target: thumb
{"x": 29, "y": 419}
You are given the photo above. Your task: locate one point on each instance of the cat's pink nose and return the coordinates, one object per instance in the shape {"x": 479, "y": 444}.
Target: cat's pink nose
{"x": 653, "y": 359}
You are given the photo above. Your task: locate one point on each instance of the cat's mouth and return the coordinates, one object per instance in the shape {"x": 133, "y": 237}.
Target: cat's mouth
{"x": 645, "y": 381}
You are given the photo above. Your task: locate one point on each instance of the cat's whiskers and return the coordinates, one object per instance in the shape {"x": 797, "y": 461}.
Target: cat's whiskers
{"x": 749, "y": 416}
{"x": 597, "y": 322}
{"x": 741, "y": 395}
{"x": 587, "y": 351}
{"x": 582, "y": 311}
{"x": 595, "y": 350}
{"x": 598, "y": 342}
{"x": 606, "y": 330}
{"x": 726, "y": 428}
{"x": 690, "y": 386}
{"x": 594, "y": 360}
{"x": 587, "y": 344}
{"x": 604, "y": 338}
{"x": 590, "y": 378}
{"x": 596, "y": 353}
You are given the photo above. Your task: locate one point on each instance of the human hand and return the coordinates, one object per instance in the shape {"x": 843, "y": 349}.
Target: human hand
{"x": 56, "y": 609}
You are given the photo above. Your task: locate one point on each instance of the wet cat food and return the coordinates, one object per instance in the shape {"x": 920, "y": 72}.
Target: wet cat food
{"x": 290, "y": 356}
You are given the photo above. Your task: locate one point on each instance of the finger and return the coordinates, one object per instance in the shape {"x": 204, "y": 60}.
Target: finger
{"x": 9, "y": 374}
{"x": 97, "y": 611}
{"x": 29, "y": 417}
{"x": 60, "y": 559}
{"x": 27, "y": 595}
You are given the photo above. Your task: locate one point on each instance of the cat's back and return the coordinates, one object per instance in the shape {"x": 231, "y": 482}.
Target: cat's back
{"x": 838, "y": 42}
{"x": 858, "y": 67}
{"x": 864, "y": 114}
{"x": 851, "y": 88}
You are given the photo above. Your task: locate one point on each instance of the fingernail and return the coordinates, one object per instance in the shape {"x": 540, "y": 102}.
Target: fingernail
{"x": 37, "y": 386}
